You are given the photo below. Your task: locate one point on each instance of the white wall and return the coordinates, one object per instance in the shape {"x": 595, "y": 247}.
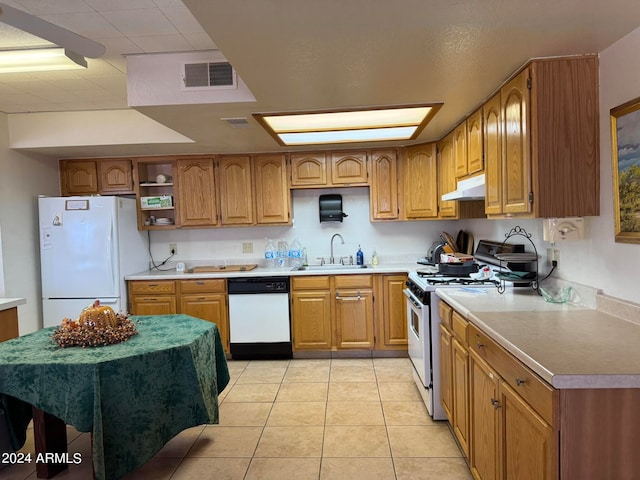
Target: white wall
{"x": 22, "y": 178}
{"x": 391, "y": 240}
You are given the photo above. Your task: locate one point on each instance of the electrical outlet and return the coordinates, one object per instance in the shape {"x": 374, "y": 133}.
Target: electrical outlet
{"x": 173, "y": 248}
{"x": 553, "y": 255}
{"x": 247, "y": 247}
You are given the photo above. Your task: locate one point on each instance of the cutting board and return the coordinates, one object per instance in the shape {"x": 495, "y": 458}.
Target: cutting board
{"x": 222, "y": 268}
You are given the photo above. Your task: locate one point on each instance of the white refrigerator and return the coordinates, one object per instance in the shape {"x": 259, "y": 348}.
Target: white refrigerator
{"x": 87, "y": 246}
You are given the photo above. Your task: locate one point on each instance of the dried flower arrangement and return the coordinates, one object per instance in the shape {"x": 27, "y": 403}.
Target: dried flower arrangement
{"x": 97, "y": 326}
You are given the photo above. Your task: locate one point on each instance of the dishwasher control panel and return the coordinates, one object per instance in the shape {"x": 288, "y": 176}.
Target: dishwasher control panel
{"x": 258, "y": 285}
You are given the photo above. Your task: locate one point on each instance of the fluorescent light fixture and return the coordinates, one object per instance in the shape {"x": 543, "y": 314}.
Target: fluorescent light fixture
{"x": 354, "y": 125}
{"x": 40, "y": 59}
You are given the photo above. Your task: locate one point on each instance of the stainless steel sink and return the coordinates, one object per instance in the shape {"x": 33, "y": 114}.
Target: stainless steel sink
{"x": 331, "y": 266}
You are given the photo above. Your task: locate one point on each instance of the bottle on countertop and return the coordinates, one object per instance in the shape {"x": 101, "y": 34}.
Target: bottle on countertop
{"x": 374, "y": 258}
{"x": 283, "y": 254}
{"x": 270, "y": 254}
{"x": 295, "y": 253}
{"x": 359, "y": 256}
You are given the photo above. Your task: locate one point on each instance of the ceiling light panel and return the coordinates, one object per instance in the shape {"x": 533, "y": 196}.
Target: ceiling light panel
{"x": 40, "y": 59}
{"x": 357, "y": 125}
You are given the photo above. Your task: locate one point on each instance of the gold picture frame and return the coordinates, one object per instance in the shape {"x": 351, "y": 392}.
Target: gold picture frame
{"x": 625, "y": 153}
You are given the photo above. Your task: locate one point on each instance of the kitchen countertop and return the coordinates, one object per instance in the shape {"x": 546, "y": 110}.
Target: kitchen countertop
{"x": 567, "y": 345}
{"x": 7, "y": 303}
{"x": 404, "y": 267}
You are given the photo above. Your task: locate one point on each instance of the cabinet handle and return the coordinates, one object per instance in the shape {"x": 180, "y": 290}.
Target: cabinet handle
{"x": 495, "y": 403}
{"x": 520, "y": 381}
{"x": 199, "y": 282}
{"x": 480, "y": 345}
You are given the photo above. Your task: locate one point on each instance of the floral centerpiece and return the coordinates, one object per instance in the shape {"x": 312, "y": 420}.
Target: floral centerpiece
{"x": 96, "y": 326}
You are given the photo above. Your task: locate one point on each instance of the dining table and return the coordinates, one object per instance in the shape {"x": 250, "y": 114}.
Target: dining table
{"x": 132, "y": 396}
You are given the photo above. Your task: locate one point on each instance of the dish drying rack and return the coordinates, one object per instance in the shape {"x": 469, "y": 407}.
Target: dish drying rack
{"x": 524, "y": 257}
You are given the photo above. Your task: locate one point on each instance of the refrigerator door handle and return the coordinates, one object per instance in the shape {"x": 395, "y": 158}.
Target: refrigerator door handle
{"x": 111, "y": 248}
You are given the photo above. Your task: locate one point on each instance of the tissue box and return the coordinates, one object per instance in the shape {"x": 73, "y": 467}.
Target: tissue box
{"x": 150, "y": 203}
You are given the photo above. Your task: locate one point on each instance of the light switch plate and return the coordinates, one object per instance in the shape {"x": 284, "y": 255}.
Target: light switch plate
{"x": 247, "y": 247}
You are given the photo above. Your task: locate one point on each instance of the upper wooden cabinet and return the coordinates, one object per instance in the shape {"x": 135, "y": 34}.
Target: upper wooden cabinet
{"x": 349, "y": 168}
{"x": 420, "y": 187}
{"x": 383, "y": 198}
{"x": 308, "y": 170}
{"x": 329, "y": 169}
{"x": 96, "y": 176}
{"x": 549, "y": 136}
{"x": 475, "y": 163}
{"x": 273, "y": 197}
{"x": 460, "y": 149}
{"x": 446, "y": 177}
{"x": 493, "y": 155}
{"x": 196, "y": 192}
{"x": 235, "y": 187}
{"x": 78, "y": 177}
{"x": 115, "y": 176}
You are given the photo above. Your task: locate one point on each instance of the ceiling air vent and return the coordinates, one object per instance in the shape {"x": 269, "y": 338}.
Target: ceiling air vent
{"x": 207, "y": 75}
{"x": 238, "y": 122}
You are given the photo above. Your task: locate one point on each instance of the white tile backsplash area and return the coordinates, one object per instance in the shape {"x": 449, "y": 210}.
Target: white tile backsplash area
{"x": 393, "y": 241}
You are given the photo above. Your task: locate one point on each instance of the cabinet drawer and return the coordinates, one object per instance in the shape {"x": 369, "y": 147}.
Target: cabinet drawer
{"x": 161, "y": 286}
{"x": 354, "y": 281}
{"x": 315, "y": 282}
{"x": 460, "y": 325}
{"x": 445, "y": 313}
{"x": 203, "y": 285}
{"x": 535, "y": 391}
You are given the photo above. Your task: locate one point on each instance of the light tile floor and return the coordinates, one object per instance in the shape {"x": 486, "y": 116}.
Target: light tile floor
{"x": 326, "y": 419}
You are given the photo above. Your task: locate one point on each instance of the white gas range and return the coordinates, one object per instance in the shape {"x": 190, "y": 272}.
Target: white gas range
{"x": 424, "y": 320}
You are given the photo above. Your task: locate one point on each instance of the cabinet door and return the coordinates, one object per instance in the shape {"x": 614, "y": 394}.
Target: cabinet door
{"x": 209, "y": 307}
{"x": 394, "y": 313}
{"x": 484, "y": 408}
{"x": 493, "y": 155}
{"x": 311, "y": 320}
{"x": 349, "y": 168}
{"x": 153, "y": 305}
{"x": 460, "y": 381}
{"x": 308, "y": 170}
{"x": 528, "y": 448}
{"x": 79, "y": 177}
{"x": 475, "y": 163}
{"x": 383, "y": 198}
{"x": 196, "y": 192}
{"x": 516, "y": 138}
{"x": 446, "y": 372}
{"x": 116, "y": 176}
{"x": 236, "y": 195}
{"x": 420, "y": 182}
{"x": 446, "y": 177}
{"x": 354, "y": 319}
{"x": 273, "y": 197}
{"x": 460, "y": 149}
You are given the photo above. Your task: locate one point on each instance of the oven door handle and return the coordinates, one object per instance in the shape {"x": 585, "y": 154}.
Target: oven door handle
{"x": 411, "y": 297}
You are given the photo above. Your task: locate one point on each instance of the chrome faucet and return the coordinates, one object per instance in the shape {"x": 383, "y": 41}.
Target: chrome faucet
{"x": 331, "y": 259}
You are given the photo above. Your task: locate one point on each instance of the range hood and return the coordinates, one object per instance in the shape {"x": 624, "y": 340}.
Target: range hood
{"x": 468, "y": 189}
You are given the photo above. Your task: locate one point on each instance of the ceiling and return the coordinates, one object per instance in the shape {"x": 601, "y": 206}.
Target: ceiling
{"x": 306, "y": 55}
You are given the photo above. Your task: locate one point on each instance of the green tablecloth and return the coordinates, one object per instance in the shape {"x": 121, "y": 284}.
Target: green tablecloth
{"x": 134, "y": 396}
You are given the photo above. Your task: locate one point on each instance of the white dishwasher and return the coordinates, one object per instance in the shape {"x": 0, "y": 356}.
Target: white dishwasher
{"x": 259, "y": 321}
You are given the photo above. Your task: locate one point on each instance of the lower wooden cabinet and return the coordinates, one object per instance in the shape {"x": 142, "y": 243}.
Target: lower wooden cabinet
{"x": 201, "y": 298}
{"x": 391, "y": 315}
{"x": 311, "y": 313}
{"x": 332, "y": 312}
{"x": 501, "y": 413}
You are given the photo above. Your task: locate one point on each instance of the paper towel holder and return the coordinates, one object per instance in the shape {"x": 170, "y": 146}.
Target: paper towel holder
{"x": 330, "y": 207}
